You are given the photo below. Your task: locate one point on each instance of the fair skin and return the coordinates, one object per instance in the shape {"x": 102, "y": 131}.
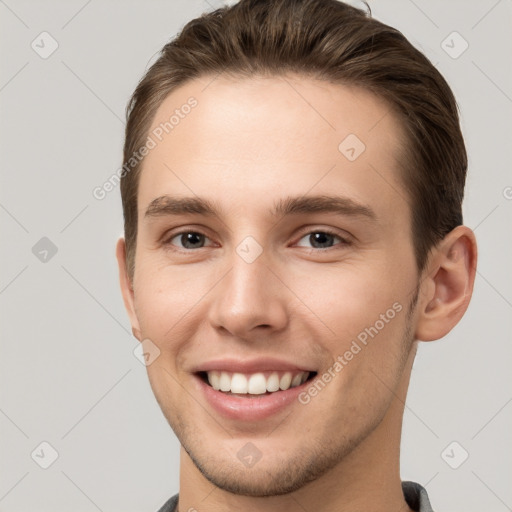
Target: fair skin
{"x": 249, "y": 144}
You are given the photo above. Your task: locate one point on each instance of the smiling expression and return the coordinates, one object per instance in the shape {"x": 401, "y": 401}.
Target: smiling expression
{"x": 263, "y": 252}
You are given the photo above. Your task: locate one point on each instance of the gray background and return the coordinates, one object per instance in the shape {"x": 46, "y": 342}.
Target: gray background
{"x": 68, "y": 374}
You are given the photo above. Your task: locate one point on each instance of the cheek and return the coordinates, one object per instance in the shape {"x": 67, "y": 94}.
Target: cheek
{"x": 348, "y": 299}
{"x": 164, "y": 299}
{"x": 365, "y": 313}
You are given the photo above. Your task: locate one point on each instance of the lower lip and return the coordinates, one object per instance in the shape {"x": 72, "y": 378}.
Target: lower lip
{"x": 252, "y": 408}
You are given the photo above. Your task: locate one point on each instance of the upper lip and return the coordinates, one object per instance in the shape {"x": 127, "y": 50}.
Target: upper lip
{"x": 250, "y": 365}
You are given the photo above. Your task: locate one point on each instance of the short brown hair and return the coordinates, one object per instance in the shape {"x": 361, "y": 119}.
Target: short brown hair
{"x": 331, "y": 41}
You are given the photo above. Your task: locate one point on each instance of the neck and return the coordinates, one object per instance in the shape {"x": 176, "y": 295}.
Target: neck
{"x": 368, "y": 478}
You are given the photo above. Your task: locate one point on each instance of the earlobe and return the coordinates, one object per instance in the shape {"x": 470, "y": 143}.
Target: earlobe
{"x": 127, "y": 287}
{"x": 448, "y": 285}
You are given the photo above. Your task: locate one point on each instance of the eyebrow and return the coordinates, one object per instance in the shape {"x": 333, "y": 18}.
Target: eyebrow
{"x": 167, "y": 205}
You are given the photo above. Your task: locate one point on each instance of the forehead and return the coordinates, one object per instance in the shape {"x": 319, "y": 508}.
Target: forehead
{"x": 273, "y": 136}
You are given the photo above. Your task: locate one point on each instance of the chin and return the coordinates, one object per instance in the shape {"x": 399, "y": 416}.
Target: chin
{"x": 261, "y": 482}
{"x": 270, "y": 477}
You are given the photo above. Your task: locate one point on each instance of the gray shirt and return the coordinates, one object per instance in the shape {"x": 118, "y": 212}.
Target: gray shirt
{"x": 415, "y": 496}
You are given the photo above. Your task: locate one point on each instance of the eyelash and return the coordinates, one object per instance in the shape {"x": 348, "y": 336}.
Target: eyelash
{"x": 344, "y": 241}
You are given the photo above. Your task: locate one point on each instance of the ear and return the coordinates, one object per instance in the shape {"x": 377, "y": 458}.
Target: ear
{"x": 127, "y": 287}
{"x": 447, "y": 284}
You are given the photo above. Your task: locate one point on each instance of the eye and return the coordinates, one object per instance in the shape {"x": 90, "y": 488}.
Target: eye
{"x": 319, "y": 239}
{"x": 188, "y": 240}
{"x": 322, "y": 239}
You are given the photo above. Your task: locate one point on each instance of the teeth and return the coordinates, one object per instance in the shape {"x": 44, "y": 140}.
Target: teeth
{"x": 239, "y": 383}
{"x": 296, "y": 381}
{"x": 256, "y": 383}
{"x": 273, "y": 383}
{"x": 285, "y": 381}
{"x": 224, "y": 381}
{"x": 214, "y": 379}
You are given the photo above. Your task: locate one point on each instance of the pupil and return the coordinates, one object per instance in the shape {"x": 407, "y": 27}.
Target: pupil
{"x": 190, "y": 238}
{"x": 321, "y": 238}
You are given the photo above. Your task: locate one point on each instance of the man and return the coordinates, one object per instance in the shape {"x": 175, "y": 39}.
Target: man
{"x": 292, "y": 186}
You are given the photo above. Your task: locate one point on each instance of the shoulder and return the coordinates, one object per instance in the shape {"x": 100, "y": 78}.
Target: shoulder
{"x": 416, "y": 497}
{"x": 170, "y": 504}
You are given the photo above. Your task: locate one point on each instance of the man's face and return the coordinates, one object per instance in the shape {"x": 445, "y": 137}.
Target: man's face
{"x": 251, "y": 291}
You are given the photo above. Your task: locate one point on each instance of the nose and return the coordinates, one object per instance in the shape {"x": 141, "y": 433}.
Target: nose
{"x": 250, "y": 299}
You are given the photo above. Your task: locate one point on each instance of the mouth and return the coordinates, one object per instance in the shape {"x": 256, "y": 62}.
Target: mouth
{"x": 251, "y": 390}
{"x": 254, "y": 385}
